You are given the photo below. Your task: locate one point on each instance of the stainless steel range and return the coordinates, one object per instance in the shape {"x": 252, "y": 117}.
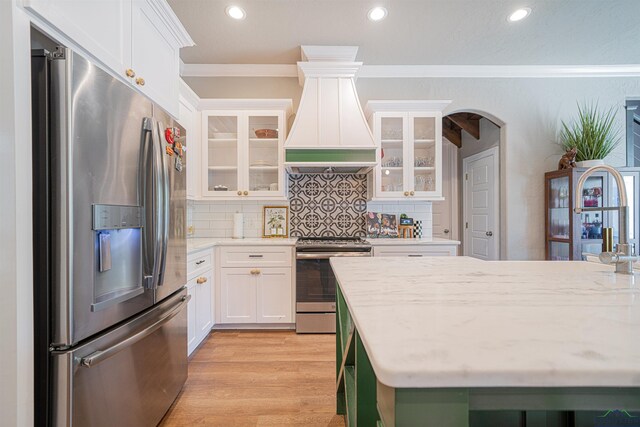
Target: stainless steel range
{"x": 315, "y": 282}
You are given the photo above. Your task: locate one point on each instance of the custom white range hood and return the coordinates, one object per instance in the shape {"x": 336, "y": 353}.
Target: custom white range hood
{"x": 330, "y": 132}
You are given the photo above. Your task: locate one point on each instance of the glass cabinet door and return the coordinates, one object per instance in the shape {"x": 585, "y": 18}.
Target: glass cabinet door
{"x": 222, "y": 154}
{"x": 559, "y": 251}
{"x": 263, "y": 153}
{"x": 392, "y": 137}
{"x": 424, "y": 154}
{"x": 559, "y": 209}
{"x": 591, "y": 223}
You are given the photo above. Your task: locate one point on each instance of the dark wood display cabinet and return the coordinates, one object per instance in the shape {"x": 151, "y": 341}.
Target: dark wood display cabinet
{"x": 569, "y": 236}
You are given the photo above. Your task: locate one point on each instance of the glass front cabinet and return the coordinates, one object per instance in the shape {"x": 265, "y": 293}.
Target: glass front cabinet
{"x": 409, "y": 137}
{"x": 571, "y": 236}
{"x": 242, "y": 154}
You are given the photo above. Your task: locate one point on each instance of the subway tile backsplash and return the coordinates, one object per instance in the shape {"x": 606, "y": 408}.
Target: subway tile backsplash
{"x": 345, "y": 192}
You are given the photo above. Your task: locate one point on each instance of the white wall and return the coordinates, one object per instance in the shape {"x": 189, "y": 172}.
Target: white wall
{"x": 16, "y": 284}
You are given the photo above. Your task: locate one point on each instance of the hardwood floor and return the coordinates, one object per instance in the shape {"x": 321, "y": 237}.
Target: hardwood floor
{"x": 252, "y": 378}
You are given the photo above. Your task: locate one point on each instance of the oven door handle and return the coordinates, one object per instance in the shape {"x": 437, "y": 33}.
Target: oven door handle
{"x": 327, "y": 255}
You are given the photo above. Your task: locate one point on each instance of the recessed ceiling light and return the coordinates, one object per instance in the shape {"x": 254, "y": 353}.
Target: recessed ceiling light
{"x": 236, "y": 12}
{"x": 377, "y": 14}
{"x": 519, "y": 14}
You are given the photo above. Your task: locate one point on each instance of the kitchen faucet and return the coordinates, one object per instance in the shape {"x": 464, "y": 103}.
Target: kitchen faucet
{"x": 623, "y": 258}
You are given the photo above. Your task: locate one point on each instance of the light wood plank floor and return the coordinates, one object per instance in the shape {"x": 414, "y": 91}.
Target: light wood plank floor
{"x": 259, "y": 379}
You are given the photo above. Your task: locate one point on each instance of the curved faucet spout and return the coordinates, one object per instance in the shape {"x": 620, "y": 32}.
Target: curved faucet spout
{"x": 622, "y": 189}
{"x": 623, "y": 258}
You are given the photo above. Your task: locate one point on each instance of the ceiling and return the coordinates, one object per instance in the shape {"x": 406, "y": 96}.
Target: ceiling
{"x": 429, "y": 32}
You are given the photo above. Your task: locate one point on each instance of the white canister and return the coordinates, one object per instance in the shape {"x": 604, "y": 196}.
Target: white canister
{"x": 238, "y": 225}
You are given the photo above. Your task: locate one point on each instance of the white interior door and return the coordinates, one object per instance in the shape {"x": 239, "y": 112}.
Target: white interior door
{"x": 444, "y": 218}
{"x": 481, "y": 205}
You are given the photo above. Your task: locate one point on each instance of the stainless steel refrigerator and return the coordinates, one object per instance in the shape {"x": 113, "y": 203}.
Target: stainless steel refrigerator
{"x": 109, "y": 193}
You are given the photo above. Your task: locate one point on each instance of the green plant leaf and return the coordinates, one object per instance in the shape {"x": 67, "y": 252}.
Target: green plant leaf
{"x": 592, "y": 134}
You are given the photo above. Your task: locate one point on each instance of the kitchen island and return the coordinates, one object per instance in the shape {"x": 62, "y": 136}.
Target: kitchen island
{"x": 447, "y": 341}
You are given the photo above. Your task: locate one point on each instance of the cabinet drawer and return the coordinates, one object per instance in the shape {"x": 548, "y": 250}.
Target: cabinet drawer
{"x": 198, "y": 262}
{"x": 256, "y": 256}
{"x": 416, "y": 251}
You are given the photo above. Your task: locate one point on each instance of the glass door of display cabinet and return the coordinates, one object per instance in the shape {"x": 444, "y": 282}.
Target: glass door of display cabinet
{"x": 392, "y": 182}
{"x": 559, "y": 217}
{"x": 264, "y": 153}
{"x": 559, "y": 251}
{"x": 592, "y": 222}
{"x": 426, "y": 158}
{"x": 222, "y": 154}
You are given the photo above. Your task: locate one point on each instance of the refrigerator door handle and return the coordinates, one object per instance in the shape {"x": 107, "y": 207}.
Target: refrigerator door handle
{"x": 101, "y": 355}
{"x": 165, "y": 207}
{"x": 151, "y": 182}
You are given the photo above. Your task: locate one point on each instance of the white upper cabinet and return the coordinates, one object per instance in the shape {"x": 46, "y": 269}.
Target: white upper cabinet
{"x": 102, "y": 28}
{"x": 137, "y": 40}
{"x": 409, "y": 134}
{"x": 242, "y": 149}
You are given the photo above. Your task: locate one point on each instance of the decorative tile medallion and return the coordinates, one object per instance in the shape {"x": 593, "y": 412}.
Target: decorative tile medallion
{"x": 327, "y": 205}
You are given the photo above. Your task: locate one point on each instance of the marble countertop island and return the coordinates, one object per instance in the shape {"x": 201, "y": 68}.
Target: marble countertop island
{"x": 434, "y": 241}
{"x": 447, "y": 322}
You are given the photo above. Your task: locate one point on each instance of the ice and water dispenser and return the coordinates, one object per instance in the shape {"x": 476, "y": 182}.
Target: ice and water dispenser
{"x": 118, "y": 254}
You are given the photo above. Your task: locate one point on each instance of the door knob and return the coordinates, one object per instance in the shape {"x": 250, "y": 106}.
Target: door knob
{"x": 130, "y": 72}
{"x": 446, "y": 231}
{"x": 489, "y": 233}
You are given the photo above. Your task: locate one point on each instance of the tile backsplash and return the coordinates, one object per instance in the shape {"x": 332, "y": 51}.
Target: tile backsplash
{"x": 320, "y": 205}
{"x": 327, "y": 205}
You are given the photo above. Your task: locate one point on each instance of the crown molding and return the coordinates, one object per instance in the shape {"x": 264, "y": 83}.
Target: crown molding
{"x": 171, "y": 22}
{"x": 333, "y": 69}
{"x": 246, "y": 104}
{"x": 421, "y": 71}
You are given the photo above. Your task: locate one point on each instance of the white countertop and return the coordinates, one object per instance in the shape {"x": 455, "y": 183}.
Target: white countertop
{"x": 461, "y": 322}
{"x": 198, "y": 243}
{"x": 396, "y": 241}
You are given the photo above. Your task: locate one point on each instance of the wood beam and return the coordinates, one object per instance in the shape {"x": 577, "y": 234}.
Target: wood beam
{"x": 472, "y": 127}
{"x": 452, "y": 132}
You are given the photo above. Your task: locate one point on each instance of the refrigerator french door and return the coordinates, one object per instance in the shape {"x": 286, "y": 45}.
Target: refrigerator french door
{"x": 109, "y": 247}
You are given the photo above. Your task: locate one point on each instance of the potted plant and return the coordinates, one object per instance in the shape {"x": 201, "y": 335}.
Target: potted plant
{"x": 593, "y": 135}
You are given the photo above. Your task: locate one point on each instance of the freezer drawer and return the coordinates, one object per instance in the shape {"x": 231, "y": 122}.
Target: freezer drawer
{"x": 129, "y": 376}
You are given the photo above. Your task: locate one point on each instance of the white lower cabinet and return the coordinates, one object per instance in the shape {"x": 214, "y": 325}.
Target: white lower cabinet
{"x": 256, "y": 285}
{"x": 200, "y": 308}
{"x": 416, "y": 250}
{"x": 238, "y": 298}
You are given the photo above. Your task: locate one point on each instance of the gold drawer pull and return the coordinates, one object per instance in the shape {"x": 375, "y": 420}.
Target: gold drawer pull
{"x": 246, "y": 193}
{"x": 140, "y": 81}
{"x": 130, "y": 72}
{"x": 406, "y": 194}
{"x": 255, "y": 271}
{"x": 201, "y": 280}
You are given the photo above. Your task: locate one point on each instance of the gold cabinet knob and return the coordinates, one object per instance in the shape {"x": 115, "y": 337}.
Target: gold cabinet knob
{"x": 201, "y": 280}
{"x": 140, "y": 81}
{"x": 412, "y": 193}
{"x": 246, "y": 193}
{"x": 255, "y": 271}
{"x": 130, "y": 72}
{"x": 406, "y": 193}
{"x": 239, "y": 193}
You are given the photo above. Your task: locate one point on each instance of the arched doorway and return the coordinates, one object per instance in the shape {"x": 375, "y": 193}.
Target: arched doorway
{"x": 473, "y": 184}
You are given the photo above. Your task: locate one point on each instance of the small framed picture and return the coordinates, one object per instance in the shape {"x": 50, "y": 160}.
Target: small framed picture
{"x": 275, "y": 221}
